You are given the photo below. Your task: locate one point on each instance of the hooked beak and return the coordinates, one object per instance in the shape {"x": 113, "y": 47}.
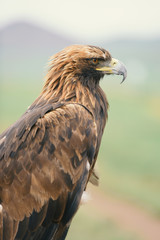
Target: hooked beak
{"x": 114, "y": 67}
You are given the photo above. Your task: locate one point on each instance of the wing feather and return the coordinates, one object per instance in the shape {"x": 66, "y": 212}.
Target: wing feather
{"x": 43, "y": 158}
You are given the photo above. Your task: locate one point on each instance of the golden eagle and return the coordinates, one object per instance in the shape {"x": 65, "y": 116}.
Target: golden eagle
{"x": 48, "y": 156}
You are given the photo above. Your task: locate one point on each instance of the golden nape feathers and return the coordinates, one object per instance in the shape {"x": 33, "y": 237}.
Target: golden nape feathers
{"x": 48, "y": 156}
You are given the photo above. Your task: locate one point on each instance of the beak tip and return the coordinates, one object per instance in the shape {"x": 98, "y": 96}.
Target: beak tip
{"x": 124, "y": 77}
{"x": 124, "y": 73}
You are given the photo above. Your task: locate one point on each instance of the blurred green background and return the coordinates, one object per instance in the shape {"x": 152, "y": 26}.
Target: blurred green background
{"x": 129, "y": 158}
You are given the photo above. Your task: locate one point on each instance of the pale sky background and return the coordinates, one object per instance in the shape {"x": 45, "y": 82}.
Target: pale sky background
{"x": 88, "y": 18}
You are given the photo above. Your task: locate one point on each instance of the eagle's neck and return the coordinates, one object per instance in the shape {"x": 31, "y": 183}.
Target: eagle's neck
{"x": 70, "y": 88}
{"x": 65, "y": 86}
{"x": 93, "y": 99}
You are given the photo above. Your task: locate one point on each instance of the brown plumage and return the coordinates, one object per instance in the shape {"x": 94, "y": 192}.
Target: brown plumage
{"x": 48, "y": 155}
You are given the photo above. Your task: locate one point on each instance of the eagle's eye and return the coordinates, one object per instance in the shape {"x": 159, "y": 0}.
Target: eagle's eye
{"x": 94, "y": 60}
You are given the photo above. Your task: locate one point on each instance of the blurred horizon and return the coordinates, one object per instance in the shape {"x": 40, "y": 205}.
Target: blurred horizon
{"x": 87, "y": 19}
{"x": 74, "y": 37}
{"x": 20, "y": 38}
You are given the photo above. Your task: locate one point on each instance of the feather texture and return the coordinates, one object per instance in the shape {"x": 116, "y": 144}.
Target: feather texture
{"x": 48, "y": 155}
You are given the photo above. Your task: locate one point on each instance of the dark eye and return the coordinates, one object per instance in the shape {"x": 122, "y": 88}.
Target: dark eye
{"x": 94, "y": 60}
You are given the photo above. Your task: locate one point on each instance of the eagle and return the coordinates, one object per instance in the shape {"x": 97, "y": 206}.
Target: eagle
{"x": 48, "y": 156}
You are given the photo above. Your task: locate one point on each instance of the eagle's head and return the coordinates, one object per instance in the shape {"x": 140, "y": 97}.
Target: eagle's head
{"x": 81, "y": 63}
